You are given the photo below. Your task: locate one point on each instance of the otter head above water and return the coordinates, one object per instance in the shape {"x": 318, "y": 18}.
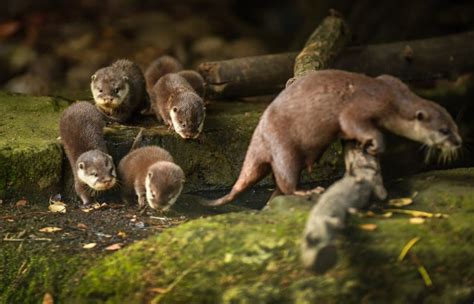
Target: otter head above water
{"x": 96, "y": 169}
{"x": 187, "y": 116}
{"x": 109, "y": 89}
{"x": 163, "y": 184}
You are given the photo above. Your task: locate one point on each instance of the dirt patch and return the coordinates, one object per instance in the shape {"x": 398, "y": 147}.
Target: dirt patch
{"x": 112, "y": 223}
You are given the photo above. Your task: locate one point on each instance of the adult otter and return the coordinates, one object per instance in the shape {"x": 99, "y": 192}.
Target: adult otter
{"x": 119, "y": 90}
{"x": 81, "y": 128}
{"x": 321, "y": 106}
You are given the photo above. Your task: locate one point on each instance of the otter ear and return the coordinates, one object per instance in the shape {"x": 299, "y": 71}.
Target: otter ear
{"x": 175, "y": 109}
{"x": 93, "y": 77}
{"x": 421, "y": 115}
{"x": 125, "y": 78}
{"x": 150, "y": 174}
{"x": 81, "y": 165}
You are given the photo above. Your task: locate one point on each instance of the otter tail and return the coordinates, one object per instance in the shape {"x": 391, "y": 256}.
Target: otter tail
{"x": 159, "y": 67}
{"x": 138, "y": 140}
{"x": 254, "y": 169}
{"x": 194, "y": 79}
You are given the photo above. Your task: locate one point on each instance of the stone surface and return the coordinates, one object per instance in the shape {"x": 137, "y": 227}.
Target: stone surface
{"x": 253, "y": 257}
{"x": 30, "y": 155}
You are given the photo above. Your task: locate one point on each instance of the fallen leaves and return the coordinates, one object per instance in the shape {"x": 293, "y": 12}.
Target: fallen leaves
{"x": 21, "y": 203}
{"x": 416, "y": 213}
{"x": 417, "y": 220}
{"x": 89, "y": 245}
{"x": 50, "y": 229}
{"x": 415, "y": 260}
{"x": 57, "y": 206}
{"x": 368, "y": 227}
{"x": 48, "y": 298}
{"x": 114, "y": 247}
{"x": 95, "y": 206}
{"x": 407, "y": 248}
{"x": 400, "y": 202}
{"x": 82, "y": 226}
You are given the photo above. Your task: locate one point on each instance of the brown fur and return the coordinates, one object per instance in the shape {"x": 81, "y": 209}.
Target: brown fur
{"x": 321, "y": 106}
{"x": 80, "y": 128}
{"x": 134, "y": 167}
{"x": 160, "y": 67}
{"x": 107, "y": 82}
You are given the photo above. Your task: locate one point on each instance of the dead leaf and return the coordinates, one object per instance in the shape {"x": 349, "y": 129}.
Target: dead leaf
{"x": 400, "y": 202}
{"x": 368, "y": 227}
{"x": 122, "y": 234}
{"x": 89, "y": 246}
{"x": 114, "y": 247}
{"x": 82, "y": 226}
{"x": 159, "y": 290}
{"x": 417, "y": 220}
{"x": 50, "y": 229}
{"x": 57, "y": 207}
{"x": 386, "y": 214}
{"x": 94, "y": 207}
{"x": 48, "y": 298}
{"x": 407, "y": 248}
{"x": 424, "y": 274}
{"x": 416, "y": 213}
{"x": 21, "y": 203}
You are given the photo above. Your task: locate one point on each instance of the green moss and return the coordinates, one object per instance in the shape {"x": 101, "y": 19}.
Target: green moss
{"x": 30, "y": 157}
{"x": 253, "y": 257}
{"x": 27, "y": 274}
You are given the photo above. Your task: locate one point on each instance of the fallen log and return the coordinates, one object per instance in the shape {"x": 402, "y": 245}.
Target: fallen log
{"x": 413, "y": 60}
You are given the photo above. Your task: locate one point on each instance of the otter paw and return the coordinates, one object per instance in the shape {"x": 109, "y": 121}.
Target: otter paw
{"x": 373, "y": 146}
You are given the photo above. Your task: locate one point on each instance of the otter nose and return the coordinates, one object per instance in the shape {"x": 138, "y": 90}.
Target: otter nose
{"x": 457, "y": 141}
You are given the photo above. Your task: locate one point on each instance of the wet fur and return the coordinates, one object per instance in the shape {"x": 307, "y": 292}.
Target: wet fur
{"x": 306, "y": 117}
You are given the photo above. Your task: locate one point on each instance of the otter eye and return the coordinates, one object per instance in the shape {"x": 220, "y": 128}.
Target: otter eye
{"x": 421, "y": 115}
{"x": 101, "y": 91}
{"x": 95, "y": 174}
{"x": 117, "y": 90}
{"x": 444, "y": 131}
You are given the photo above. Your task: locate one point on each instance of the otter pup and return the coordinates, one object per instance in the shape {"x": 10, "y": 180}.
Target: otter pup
{"x": 119, "y": 90}
{"x": 80, "y": 128}
{"x": 174, "y": 98}
{"x": 151, "y": 175}
{"x": 307, "y": 116}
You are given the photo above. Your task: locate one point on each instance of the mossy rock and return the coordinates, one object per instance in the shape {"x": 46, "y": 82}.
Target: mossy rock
{"x": 33, "y": 165}
{"x": 253, "y": 257}
{"x": 30, "y": 156}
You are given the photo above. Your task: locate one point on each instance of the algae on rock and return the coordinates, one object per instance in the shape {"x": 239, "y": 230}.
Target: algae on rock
{"x": 30, "y": 156}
